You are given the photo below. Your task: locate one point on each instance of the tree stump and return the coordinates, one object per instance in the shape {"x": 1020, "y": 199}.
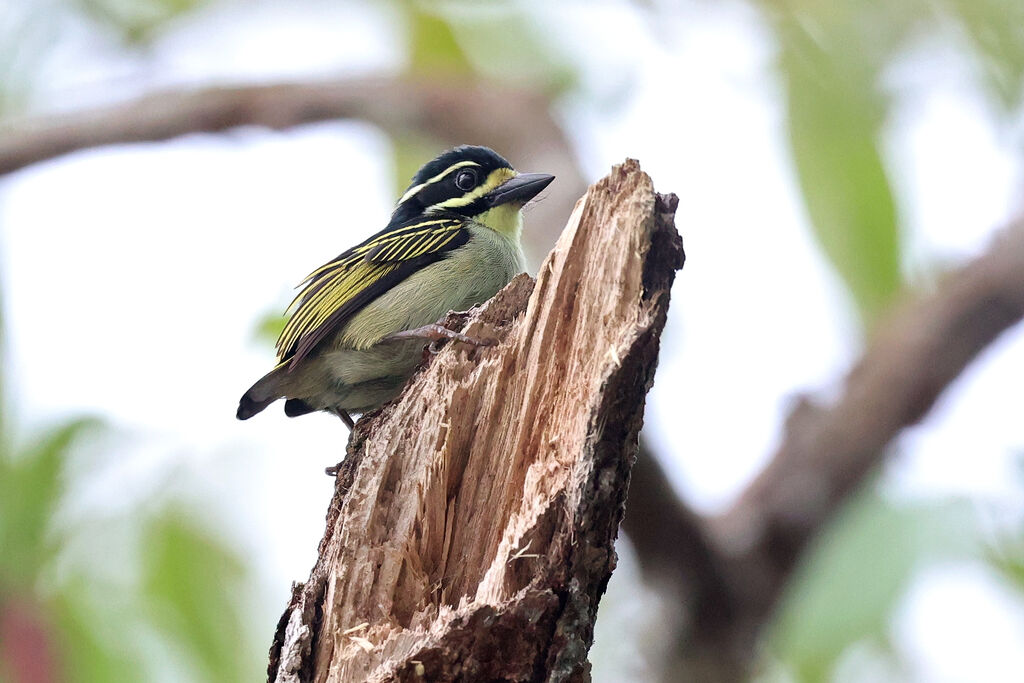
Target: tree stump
{"x": 472, "y": 528}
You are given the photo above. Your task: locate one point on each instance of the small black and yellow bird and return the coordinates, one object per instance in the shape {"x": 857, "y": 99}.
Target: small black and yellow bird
{"x": 357, "y": 328}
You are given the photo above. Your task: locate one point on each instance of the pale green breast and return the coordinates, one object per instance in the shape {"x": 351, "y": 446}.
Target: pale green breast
{"x": 470, "y": 275}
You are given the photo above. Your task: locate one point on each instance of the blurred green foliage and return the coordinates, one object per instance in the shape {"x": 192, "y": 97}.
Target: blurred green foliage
{"x": 835, "y": 117}
{"x": 138, "y": 22}
{"x": 432, "y": 47}
{"x": 193, "y": 585}
{"x": 1007, "y": 558}
{"x": 31, "y": 488}
{"x": 495, "y": 43}
{"x": 86, "y": 616}
{"x": 499, "y": 42}
{"x": 1005, "y": 553}
{"x": 832, "y": 59}
{"x": 846, "y": 590}
{"x": 269, "y": 328}
{"x": 184, "y": 590}
{"x": 101, "y": 620}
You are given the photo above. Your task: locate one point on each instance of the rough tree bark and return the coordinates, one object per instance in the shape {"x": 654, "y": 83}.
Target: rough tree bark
{"x": 472, "y": 528}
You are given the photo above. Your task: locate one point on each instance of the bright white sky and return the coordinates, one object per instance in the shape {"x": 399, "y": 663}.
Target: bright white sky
{"x": 133, "y": 277}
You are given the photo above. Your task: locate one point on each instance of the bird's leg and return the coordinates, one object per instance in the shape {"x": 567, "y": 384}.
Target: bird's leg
{"x": 435, "y": 333}
{"x": 332, "y": 471}
{"x": 345, "y": 417}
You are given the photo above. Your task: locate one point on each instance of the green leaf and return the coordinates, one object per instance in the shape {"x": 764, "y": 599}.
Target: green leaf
{"x": 31, "y": 487}
{"x": 269, "y": 327}
{"x": 835, "y": 114}
{"x": 1009, "y": 562}
{"x": 87, "y": 650}
{"x": 504, "y": 44}
{"x": 846, "y": 590}
{"x": 1005, "y": 554}
{"x": 433, "y": 48}
{"x": 193, "y": 584}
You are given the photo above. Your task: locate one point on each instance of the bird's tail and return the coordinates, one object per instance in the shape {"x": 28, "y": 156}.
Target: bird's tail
{"x": 262, "y": 394}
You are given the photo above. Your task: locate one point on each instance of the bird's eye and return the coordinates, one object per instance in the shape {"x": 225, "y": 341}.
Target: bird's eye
{"x": 465, "y": 180}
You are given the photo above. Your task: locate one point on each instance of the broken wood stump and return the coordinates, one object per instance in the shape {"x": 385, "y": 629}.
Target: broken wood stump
{"x": 472, "y": 528}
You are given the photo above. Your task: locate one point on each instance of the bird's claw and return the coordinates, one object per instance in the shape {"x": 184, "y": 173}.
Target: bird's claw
{"x": 437, "y": 333}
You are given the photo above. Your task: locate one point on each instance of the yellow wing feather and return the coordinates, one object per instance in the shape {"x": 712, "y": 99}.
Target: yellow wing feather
{"x": 337, "y": 290}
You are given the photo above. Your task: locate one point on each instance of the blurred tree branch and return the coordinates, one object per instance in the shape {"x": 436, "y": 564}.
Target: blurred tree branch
{"x": 750, "y": 553}
{"x": 517, "y": 122}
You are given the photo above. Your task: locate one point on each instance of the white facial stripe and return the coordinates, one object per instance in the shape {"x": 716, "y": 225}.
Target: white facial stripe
{"x": 496, "y": 178}
{"x": 413, "y": 190}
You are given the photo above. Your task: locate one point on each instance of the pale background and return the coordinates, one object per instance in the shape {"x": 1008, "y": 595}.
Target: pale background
{"x": 134, "y": 280}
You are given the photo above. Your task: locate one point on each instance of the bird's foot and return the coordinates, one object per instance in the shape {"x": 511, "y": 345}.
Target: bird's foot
{"x": 436, "y": 333}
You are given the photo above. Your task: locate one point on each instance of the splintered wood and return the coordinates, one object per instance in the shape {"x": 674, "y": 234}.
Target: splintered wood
{"x": 472, "y": 528}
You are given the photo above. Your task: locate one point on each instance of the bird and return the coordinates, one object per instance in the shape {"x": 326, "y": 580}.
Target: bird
{"x": 356, "y": 330}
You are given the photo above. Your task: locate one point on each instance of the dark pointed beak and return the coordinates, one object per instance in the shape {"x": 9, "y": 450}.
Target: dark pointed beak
{"x": 520, "y": 189}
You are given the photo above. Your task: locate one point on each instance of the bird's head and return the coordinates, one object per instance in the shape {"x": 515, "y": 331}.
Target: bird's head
{"x": 475, "y": 182}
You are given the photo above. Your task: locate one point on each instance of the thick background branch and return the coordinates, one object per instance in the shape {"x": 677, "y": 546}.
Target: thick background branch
{"x": 516, "y": 122}
{"x": 828, "y": 450}
{"x": 731, "y": 571}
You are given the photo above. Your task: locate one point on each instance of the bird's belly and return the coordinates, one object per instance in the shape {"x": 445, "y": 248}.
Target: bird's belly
{"x": 363, "y": 379}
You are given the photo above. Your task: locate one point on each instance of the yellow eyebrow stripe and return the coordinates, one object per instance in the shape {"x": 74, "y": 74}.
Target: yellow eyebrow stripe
{"x": 413, "y": 190}
{"x": 495, "y": 179}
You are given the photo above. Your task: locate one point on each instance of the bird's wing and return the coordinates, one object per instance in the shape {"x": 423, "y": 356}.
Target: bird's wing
{"x": 339, "y": 289}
